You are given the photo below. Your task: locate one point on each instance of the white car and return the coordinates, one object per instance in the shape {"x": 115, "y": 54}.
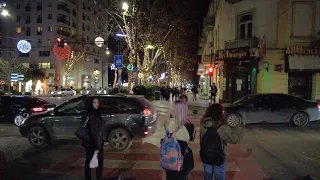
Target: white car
{"x": 63, "y": 92}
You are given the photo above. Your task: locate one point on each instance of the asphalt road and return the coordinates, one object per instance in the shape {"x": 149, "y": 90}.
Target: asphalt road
{"x": 280, "y": 150}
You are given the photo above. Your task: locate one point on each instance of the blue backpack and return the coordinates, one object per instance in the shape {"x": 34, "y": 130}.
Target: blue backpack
{"x": 171, "y": 157}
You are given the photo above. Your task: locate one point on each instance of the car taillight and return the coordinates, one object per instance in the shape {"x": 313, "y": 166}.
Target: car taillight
{"x": 319, "y": 107}
{"x": 147, "y": 112}
{"x": 37, "y": 109}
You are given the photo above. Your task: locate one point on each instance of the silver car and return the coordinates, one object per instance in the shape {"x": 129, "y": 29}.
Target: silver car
{"x": 272, "y": 108}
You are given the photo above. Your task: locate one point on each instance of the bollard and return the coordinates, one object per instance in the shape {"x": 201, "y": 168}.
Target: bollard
{"x": 2, "y": 165}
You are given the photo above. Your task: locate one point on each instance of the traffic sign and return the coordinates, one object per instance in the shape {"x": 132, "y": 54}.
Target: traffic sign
{"x": 118, "y": 61}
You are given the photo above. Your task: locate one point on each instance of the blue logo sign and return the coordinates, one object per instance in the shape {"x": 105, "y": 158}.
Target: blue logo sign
{"x": 135, "y": 69}
{"x": 118, "y": 61}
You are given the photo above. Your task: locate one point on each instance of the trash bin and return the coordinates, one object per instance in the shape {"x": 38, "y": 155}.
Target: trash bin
{"x": 157, "y": 95}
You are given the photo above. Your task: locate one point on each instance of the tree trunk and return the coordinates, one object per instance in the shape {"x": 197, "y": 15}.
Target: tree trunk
{"x": 66, "y": 79}
{"x": 132, "y": 60}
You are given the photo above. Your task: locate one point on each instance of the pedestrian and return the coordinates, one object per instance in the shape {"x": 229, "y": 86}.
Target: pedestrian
{"x": 195, "y": 92}
{"x": 214, "y": 136}
{"x": 178, "y": 116}
{"x": 97, "y": 137}
{"x": 214, "y": 91}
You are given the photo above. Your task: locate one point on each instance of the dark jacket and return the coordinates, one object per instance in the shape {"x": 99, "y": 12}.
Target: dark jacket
{"x": 95, "y": 128}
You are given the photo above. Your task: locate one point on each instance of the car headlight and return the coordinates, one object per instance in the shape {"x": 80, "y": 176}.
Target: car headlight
{"x": 52, "y": 92}
{"x": 59, "y": 92}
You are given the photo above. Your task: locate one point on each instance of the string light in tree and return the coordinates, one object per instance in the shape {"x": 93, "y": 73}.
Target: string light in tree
{"x": 24, "y": 46}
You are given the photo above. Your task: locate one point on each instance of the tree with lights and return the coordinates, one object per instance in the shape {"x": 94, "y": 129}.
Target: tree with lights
{"x": 71, "y": 61}
{"x": 9, "y": 64}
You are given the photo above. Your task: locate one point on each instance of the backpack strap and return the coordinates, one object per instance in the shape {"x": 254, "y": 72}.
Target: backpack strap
{"x": 168, "y": 134}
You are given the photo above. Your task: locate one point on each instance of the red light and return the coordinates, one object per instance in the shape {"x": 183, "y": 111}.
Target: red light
{"x": 146, "y": 133}
{"x": 147, "y": 112}
{"x": 58, "y": 39}
{"x": 211, "y": 69}
{"x": 319, "y": 106}
{"x": 37, "y": 109}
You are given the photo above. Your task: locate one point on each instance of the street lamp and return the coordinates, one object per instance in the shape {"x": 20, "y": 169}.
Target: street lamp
{"x": 4, "y": 13}
{"x": 120, "y": 35}
{"x": 125, "y": 6}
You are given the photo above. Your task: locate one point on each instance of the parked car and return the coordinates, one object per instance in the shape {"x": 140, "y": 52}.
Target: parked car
{"x": 272, "y": 108}
{"x": 63, "y": 92}
{"x": 14, "y": 109}
{"x": 126, "y": 118}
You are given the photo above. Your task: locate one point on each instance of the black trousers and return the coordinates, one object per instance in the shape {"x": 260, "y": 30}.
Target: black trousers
{"x": 99, "y": 169}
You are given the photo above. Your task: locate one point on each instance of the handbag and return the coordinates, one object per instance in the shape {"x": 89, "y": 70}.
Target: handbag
{"x": 82, "y": 133}
{"x": 191, "y": 130}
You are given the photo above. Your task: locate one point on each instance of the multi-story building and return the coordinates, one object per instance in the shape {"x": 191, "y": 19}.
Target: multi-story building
{"x": 78, "y": 22}
{"x": 262, "y": 47}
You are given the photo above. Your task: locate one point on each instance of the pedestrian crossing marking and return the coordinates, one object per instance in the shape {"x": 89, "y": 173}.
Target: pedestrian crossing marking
{"x": 141, "y": 164}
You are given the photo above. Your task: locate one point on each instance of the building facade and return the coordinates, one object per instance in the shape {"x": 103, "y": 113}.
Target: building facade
{"x": 39, "y": 22}
{"x": 262, "y": 47}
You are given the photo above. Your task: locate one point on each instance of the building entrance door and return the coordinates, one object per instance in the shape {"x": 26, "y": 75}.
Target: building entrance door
{"x": 300, "y": 84}
{"x": 241, "y": 85}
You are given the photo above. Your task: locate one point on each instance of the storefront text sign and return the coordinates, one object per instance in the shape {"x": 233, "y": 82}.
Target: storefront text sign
{"x": 299, "y": 50}
{"x": 233, "y": 54}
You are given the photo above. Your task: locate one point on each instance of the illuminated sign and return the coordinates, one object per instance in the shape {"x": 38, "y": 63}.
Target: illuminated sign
{"x": 299, "y": 50}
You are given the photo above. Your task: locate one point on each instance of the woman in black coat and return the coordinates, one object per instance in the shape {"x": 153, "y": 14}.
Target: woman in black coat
{"x": 97, "y": 137}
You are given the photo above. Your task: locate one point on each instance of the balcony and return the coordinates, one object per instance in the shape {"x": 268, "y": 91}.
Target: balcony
{"x": 62, "y": 32}
{"x": 233, "y": 1}
{"x": 63, "y": 8}
{"x": 39, "y": 33}
{"x": 62, "y": 20}
{"x": 239, "y": 43}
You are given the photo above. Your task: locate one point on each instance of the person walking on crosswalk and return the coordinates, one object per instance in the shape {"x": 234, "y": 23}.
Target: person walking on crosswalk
{"x": 214, "y": 136}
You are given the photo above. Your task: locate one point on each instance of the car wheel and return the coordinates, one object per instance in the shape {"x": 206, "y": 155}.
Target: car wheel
{"x": 38, "y": 137}
{"x": 18, "y": 120}
{"x": 234, "y": 120}
{"x": 119, "y": 140}
{"x": 300, "y": 119}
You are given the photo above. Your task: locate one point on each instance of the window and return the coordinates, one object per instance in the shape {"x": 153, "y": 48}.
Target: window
{"x": 74, "y": 106}
{"x": 83, "y": 17}
{"x": 88, "y": 28}
{"x": 263, "y": 102}
{"x": 18, "y": 18}
{"x": 113, "y": 105}
{"x": 245, "y": 26}
{"x": 50, "y": 28}
{"x": 39, "y": 7}
{"x": 28, "y": 31}
{"x": 18, "y": 6}
{"x": 44, "y": 53}
{"x": 28, "y": 7}
{"x": 23, "y": 54}
{"x": 28, "y": 20}
{"x": 39, "y": 19}
{"x": 18, "y": 30}
{"x": 49, "y": 41}
{"x": 44, "y": 65}
{"x": 89, "y": 18}
{"x": 96, "y": 61}
{"x": 49, "y": 16}
{"x": 39, "y": 30}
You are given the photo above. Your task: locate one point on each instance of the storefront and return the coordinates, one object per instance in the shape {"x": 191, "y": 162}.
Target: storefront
{"x": 303, "y": 67}
{"x": 86, "y": 81}
{"x": 238, "y": 73}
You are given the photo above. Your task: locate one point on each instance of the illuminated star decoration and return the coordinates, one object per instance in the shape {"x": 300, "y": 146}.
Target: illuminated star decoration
{"x": 24, "y": 46}
{"x": 113, "y": 67}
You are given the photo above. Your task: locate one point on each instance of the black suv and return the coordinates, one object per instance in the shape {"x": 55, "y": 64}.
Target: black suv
{"x": 126, "y": 118}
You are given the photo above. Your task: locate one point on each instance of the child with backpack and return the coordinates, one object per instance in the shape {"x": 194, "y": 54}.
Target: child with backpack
{"x": 214, "y": 136}
{"x": 175, "y": 155}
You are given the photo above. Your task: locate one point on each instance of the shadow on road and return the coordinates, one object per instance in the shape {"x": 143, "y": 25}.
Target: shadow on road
{"x": 314, "y": 126}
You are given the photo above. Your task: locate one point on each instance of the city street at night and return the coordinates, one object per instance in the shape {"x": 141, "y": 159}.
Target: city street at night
{"x": 258, "y": 156}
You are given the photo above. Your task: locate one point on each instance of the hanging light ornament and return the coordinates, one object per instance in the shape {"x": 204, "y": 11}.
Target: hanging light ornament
{"x": 62, "y": 53}
{"x": 99, "y": 41}
{"x": 24, "y": 46}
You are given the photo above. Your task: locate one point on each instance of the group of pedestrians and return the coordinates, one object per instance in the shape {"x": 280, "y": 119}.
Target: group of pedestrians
{"x": 175, "y": 93}
{"x": 214, "y": 136}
